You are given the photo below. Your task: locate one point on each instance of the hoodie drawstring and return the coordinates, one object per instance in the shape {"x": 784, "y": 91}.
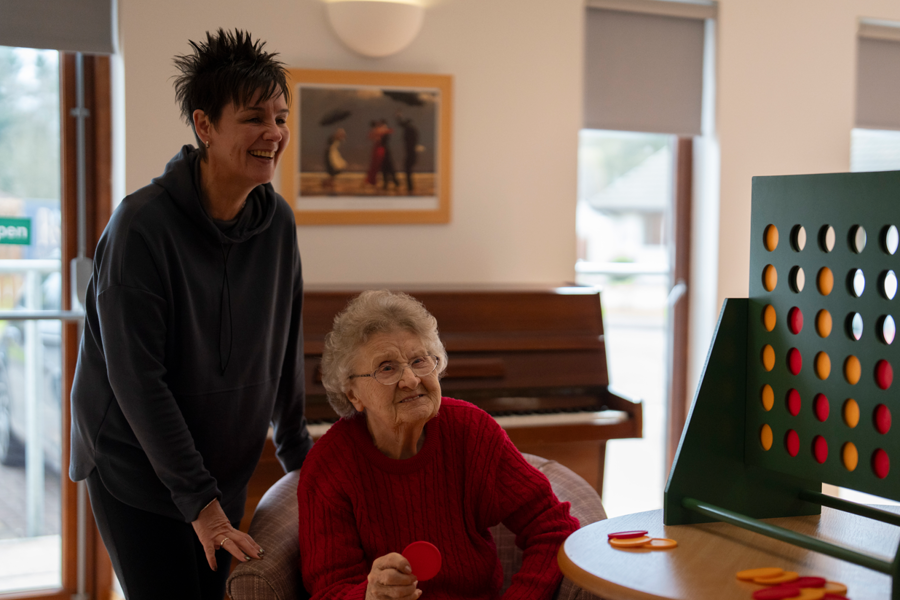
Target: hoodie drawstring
{"x": 225, "y": 336}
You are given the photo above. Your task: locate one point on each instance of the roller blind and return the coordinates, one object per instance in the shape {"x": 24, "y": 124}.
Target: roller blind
{"x": 87, "y": 26}
{"x": 643, "y": 72}
{"x": 878, "y": 78}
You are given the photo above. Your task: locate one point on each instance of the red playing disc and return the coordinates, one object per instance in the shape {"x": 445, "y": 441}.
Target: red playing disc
{"x": 820, "y": 451}
{"x": 807, "y": 582}
{"x": 795, "y": 361}
{"x": 792, "y": 442}
{"x": 882, "y": 419}
{"x": 795, "y": 320}
{"x": 821, "y": 407}
{"x": 884, "y": 374}
{"x": 881, "y": 463}
{"x": 424, "y": 559}
{"x": 626, "y": 535}
{"x": 776, "y": 593}
{"x": 793, "y": 402}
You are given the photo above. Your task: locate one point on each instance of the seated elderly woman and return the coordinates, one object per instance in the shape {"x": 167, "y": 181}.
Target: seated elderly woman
{"x": 404, "y": 465}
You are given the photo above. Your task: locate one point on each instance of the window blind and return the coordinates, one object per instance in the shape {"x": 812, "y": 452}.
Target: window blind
{"x": 878, "y": 78}
{"x": 643, "y": 72}
{"x": 87, "y": 26}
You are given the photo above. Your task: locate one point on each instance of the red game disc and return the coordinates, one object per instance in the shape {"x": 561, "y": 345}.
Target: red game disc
{"x": 792, "y": 442}
{"x": 793, "y": 402}
{"x": 821, "y": 407}
{"x": 795, "y": 361}
{"x": 820, "y": 452}
{"x": 884, "y": 374}
{"x": 795, "y": 320}
{"x": 424, "y": 559}
{"x": 776, "y": 593}
{"x": 882, "y": 419}
{"x": 881, "y": 463}
{"x": 807, "y": 582}
{"x": 626, "y": 535}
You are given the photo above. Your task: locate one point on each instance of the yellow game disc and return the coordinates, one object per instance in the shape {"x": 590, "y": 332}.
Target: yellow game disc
{"x": 660, "y": 544}
{"x": 629, "y": 543}
{"x": 823, "y": 365}
{"x": 751, "y": 574}
{"x": 765, "y": 437}
{"x": 810, "y": 594}
{"x": 834, "y": 587}
{"x": 825, "y": 281}
{"x": 771, "y": 238}
{"x": 768, "y": 397}
{"x": 785, "y": 577}
{"x": 769, "y": 317}
{"x": 849, "y": 456}
{"x": 770, "y": 278}
{"x": 768, "y": 357}
{"x": 823, "y": 323}
{"x": 851, "y": 413}
{"x": 852, "y": 370}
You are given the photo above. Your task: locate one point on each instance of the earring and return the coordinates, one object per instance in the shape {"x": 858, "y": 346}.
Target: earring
{"x": 207, "y": 143}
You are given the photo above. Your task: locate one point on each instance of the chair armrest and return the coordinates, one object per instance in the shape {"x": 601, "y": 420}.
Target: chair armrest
{"x": 275, "y": 527}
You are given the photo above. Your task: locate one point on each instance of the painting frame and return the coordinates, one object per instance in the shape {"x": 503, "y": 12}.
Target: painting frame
{"x": 369, "y": 204}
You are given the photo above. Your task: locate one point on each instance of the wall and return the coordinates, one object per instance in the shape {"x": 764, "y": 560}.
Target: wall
{"x": 517, "y": 95}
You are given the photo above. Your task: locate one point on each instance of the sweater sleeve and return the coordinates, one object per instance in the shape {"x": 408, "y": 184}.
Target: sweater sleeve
{"x": 291, "y": 436}
{"x": 521, "y": 498}
{"x": 332, "y": 560}
{"x": 133, "y": 329}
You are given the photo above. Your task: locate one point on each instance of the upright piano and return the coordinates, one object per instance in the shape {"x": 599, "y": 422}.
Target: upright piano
{"x": 533, "y": 357}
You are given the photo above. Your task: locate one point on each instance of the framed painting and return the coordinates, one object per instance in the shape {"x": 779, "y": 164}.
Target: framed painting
{"x": 368, "y": 148}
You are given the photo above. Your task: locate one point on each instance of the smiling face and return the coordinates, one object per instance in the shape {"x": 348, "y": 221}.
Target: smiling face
{"x": 247, "y": 142}
{"x": 392, "y": 411}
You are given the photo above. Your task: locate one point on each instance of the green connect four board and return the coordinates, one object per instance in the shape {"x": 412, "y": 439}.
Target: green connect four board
{"x": 799, "y": 387}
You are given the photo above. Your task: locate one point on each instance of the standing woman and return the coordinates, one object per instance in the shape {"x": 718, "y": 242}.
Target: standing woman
{"x": 192, "y": 343}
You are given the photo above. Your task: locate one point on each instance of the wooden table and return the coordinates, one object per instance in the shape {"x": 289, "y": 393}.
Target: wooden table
{"x": 708, "y": 556}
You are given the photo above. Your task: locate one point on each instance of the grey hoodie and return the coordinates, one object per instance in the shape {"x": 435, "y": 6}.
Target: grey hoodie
{"x": 192, "y": 345}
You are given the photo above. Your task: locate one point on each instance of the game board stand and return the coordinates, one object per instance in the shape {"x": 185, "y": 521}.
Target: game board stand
{"x": 790, "y": 399}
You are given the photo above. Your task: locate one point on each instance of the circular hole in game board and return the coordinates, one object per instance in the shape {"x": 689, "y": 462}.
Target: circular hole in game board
{"x": 769, "y": 317}
{"x": 884, "y": 374}
{"x": 823, "y": 365}
{"x": 850, "y": 413}
{"x": 881, "y": 463}
{"x": 798, "y": 238}
{"x": 882, "y": 419}
{"x": 770, "y": 278}
{"x": 793, "y": 402}
{"x": 888, "y": 284}
{"x": 854, "y": 326}
{"x": 794, "y": 361}
{"x": 857, "y": 238}
{"x": 820, "y": 449}
{"x": 852, "y": 370}
{"x": 821, "y": 407}
{"x": 826, "y": 238}
{"x": 792, "y": 442}
{"x": 823, "y": 323}
{"x": 849, "y": 456}
{"x": 856, "y": 282}
{"x": 797, "y": 279}
{"x": 767, "y": 395}
{"x": 765, "y": 437}
{"x": 825, "y": 281}
{"x": 887, "y": 329}
{"x": 795, "y": 320}
{"x": 768, "y": 357}
{"x": 770, "y": 238}
{"x": 890, "y": 239}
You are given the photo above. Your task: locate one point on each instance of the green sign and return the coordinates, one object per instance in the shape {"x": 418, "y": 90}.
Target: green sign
{"x": 15, "y": 231}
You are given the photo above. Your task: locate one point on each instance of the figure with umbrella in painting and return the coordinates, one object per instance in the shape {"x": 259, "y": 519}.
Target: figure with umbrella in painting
{"x": 388, "y": 172}
{"x": 410, "y": 148}
{"x": 334, "y": 162}
{"x": 376, "y": 135}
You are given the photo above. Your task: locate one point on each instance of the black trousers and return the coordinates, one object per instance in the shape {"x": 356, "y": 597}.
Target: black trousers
{"x": 154, "y": 556}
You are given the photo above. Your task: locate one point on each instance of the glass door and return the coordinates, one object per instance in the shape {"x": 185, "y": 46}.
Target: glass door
{"x": 31, "y": 384}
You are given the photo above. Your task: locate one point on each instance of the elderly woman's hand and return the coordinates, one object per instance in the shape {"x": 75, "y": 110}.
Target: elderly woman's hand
{"x": 212, "y": 527}
{"x": 391, "y": 577}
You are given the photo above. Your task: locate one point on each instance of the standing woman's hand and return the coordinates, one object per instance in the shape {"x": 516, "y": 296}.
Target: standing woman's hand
{"x": 214, "y": 532}
{"x": 391, "y": 578}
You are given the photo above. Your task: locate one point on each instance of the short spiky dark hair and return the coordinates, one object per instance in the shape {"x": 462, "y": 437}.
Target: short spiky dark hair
{"x": 228, "y": 67}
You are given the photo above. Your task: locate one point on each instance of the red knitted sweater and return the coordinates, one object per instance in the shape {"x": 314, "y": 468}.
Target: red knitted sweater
{"x": 356, "y": 505}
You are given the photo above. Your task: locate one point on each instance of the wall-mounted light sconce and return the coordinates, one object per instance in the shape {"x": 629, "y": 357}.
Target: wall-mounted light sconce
{"x": 376, "y": 27}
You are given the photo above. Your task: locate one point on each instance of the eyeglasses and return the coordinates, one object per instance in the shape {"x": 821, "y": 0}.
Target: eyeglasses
{"x": 389, "y": 373}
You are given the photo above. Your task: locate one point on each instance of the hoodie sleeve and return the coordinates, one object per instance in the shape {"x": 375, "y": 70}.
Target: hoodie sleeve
{"x": 132, "y": 317}
{"x": 291, "y": 436}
